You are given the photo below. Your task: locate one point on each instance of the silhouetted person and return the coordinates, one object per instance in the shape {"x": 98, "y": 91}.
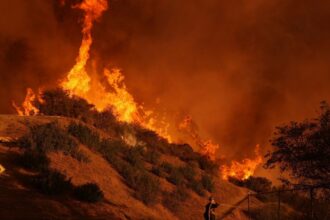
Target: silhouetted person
{"x": 209, "y": 213}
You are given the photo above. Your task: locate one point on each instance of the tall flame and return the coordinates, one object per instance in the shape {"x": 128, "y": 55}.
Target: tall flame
{"x": 242, "y": 170}
{"x": 77, "y": 81}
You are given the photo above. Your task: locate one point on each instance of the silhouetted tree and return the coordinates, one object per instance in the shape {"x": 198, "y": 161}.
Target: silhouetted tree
{"x": 302, "y": 149}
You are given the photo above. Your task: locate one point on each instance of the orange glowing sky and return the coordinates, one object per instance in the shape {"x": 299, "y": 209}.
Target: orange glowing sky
{"x": 237, "y": 68}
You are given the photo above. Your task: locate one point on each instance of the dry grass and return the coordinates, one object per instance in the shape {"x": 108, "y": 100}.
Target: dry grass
{"x": 119, "y": 198}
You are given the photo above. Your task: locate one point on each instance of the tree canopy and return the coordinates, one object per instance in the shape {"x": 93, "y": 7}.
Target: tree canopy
{"x": 302, "y": 149}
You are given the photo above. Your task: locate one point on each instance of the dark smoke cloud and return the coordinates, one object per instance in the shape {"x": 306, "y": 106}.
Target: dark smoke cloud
{"x": 239, "y": 68}
{"x": 34, "y": 47}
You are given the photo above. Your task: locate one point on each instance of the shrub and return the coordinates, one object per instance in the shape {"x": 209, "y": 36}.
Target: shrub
{"x": 89, "y": 192}
{"x": 183, "y": 151}
{"x": 197, "y": 187}
{"x": 147, "y": 188}
{"x": 59, "y": 102}
{"x": 107, "y": 122}
{"x": 130, "y": 174}
{"x": 207, "y": 182}
{"x": 157, "y": 171}
{"x": 152, "y": 140}
{"x": 167, "y": 167}
{"x": 49, "y": 138}
{"x": 80, "y": 156}
{"x": 34, "y": 160}
{"x": 257, "y": 184}
{"x": 111, "y": 148}
{"x": 180, "y": 193}
{"x": 52, "y": 182}
{"x": 145, "y": 185}
{"x": 85, "y": 135}
{"x": 134, "y": 156}
{"x": 188, "y": 172}
{"x": 173, "y": 200}
{"x": 175, "y": 176}
{"x": 152, "y": 156}
{"x": 208, "y": 165}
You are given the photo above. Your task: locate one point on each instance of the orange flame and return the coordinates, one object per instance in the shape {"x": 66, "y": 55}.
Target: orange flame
{"x": 77, "y": 81}
{"x": 242, "y": 170}
{"x": 28, "y": 107}
{"x": 113, "y": 92}
{"x": 206, "y": 147}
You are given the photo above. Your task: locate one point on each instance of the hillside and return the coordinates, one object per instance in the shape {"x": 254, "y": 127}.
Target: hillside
{"x": 119, "y": 201}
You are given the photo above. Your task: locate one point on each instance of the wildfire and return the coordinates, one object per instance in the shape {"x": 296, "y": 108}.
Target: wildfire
{"x": 78, "y": 80}
{"x": 112, "y": 93}
{"x": 2, "y": 169}
{"x": 242, "y": 170}
{"x": 28, "y": 107}
{"x": 206, "y": 147}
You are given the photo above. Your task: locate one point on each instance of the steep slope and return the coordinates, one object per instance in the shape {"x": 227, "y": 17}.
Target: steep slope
{"x": 119, "y": 201}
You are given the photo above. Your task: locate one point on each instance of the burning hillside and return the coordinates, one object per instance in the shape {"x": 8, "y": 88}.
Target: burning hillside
{"x": 110, "y": 92}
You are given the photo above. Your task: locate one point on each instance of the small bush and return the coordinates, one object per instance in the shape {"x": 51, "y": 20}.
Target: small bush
{"x": 52, "y": 182}
{"x": 111, "y": 148}
{"x": 151, "y": 139}
{"x": 145, "y": 185}
{"x": 85, "y": 135}
{"x": 147, "y": 188}
{"x": 207, "y": 182}
{"x": 175, "y": 176}
{"x": 188, "y": 172}
{"x": 152, "y": 156}
{"x": 106, "y": 121}
{"x": 183, "y": 151}
{"x": 89, "y": 192}
{"x": 208, "y": 165}
{"x": 59, "y": 102}
{"x": 173, "y": 200}
{"x": 49, "y": 138}
{"x": 34, "y": 160}
{"x": 197, "y": 187}
{"x": 158, "y": 171}
{"x": 257, "y": 184}
{"x": 134, "y": 156}
{"x": 167, "y": 167}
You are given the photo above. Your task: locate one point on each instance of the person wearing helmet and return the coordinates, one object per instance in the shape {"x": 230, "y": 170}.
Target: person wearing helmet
{"x": 209, "y": 213}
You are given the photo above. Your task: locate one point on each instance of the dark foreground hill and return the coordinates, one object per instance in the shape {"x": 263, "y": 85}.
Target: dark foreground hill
{"x": 140, "y": 182}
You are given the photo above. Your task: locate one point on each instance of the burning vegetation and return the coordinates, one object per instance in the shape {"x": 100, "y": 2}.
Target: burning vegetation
{"x": 112, "y": 95}
{"x": 244, "y": 169}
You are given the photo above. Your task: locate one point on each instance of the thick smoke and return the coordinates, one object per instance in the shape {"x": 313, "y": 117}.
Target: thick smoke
{"x": 239, "y": 68}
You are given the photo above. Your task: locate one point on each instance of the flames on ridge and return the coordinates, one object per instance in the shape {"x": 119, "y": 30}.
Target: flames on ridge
{"x": 28, "y": 107}
{"x": 244, "y": 169}
{"x": 77, "y": 81}
{"x": 113, "y": 93}
{"x": 206, "y": 147}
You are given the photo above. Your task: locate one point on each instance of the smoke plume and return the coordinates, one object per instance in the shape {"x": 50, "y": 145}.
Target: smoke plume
{"x": 238, "y": 68}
